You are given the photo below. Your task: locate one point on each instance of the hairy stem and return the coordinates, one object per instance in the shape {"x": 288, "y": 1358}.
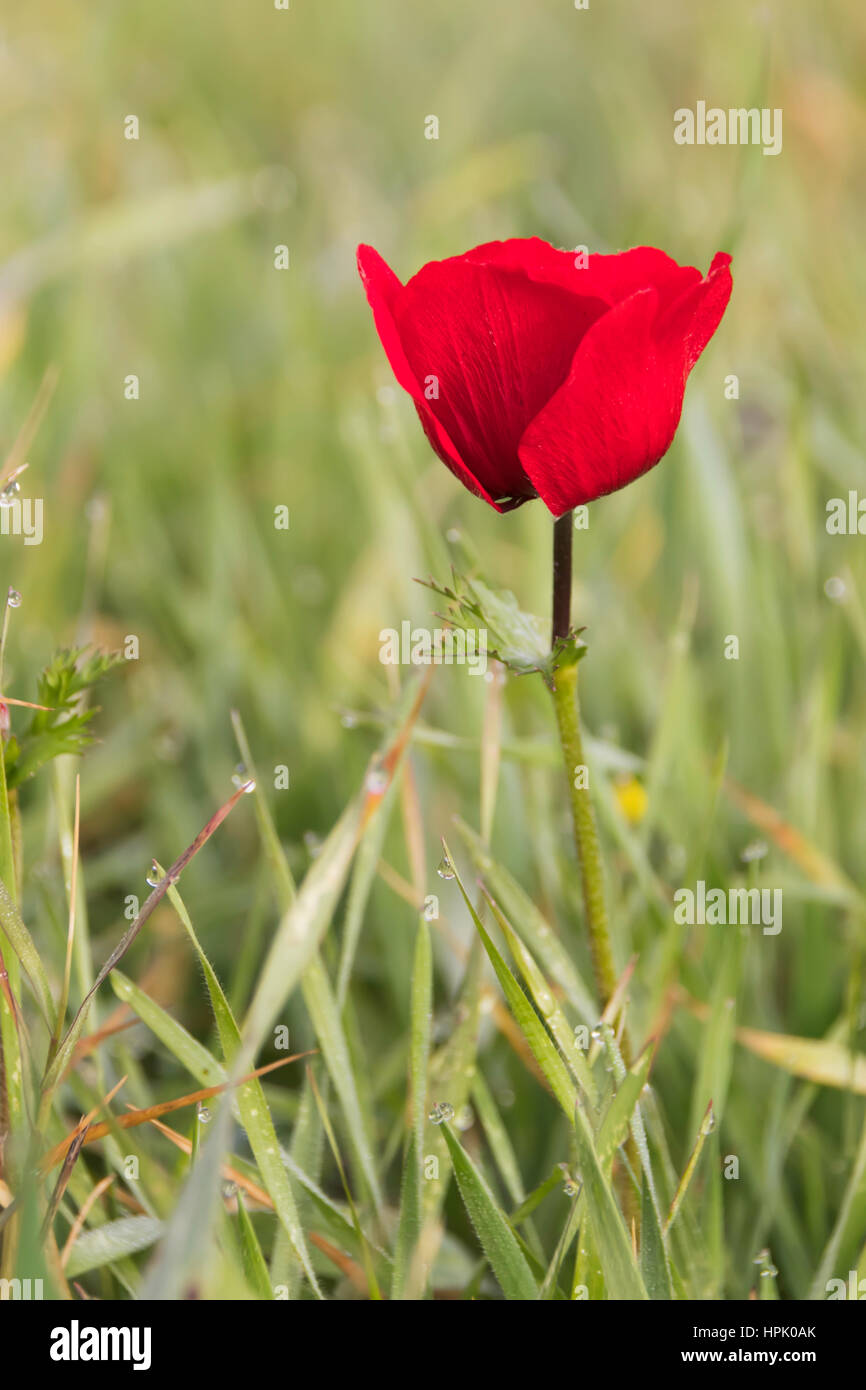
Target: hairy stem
{"x": 585, "y": 832}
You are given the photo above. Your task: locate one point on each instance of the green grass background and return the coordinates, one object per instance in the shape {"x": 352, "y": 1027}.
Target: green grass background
{"x": 261, "y": 388}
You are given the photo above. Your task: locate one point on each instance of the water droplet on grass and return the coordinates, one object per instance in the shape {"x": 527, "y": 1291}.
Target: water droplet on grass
{"x": 312, "y": 843}
{"x": 376, "y": 781}
{"x": 443, "y": 1110}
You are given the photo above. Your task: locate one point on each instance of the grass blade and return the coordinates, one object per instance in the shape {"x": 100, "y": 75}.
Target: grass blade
{"x": 498, "y": 1241}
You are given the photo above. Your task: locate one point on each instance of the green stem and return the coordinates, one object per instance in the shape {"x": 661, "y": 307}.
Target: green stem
{"x": 565, "y": 703}
{"x": 568, "y": 722}
{"x": 585, "y": 833}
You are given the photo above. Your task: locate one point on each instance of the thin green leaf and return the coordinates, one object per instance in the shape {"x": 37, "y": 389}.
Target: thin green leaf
{"x": 498, "y": 1241}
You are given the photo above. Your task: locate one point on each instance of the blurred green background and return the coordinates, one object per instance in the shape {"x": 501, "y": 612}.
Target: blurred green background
{"x": 261, "y": 388}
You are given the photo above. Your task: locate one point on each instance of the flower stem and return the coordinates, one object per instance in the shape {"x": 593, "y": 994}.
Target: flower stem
{"x": 565, "y": 703}
{"x": 583, "y": 817}
{"x": 561, "y": 577}
{"x": 585, "y": 832}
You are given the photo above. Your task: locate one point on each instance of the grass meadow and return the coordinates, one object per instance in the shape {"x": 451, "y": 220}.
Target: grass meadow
{"x": 313, "y": 920}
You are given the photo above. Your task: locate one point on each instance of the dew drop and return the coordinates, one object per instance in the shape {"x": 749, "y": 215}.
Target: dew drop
{"x": 203, "y": 1113}
{"x": 349, "y": 720}
{"x": 376, "y": 781}
{"x": 444, "y": 868}
{"x": 13, "y": 598}
{"x": 154, "y": 877}
{"x": 9, "y": 493}
{"x": 758, "y": 849}
{"x": 546, "y": 1002}
{"x": 443, "y": 1110}
{"x": 312, "y": 843}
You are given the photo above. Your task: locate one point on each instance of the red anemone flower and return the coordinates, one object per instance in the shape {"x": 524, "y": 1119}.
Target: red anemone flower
{"x": 545, "y": 373}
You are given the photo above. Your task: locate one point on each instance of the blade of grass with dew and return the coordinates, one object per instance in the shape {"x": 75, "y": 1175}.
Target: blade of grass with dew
{"x": 845, "y": 1227}
{"x": 113, "y": 1241}
{"x": 66, "y": 1049}
{"x": 325, "y": 1017}
{"x": 363, "y": 877}
{"x": 252, "y": 1103}
{"x": 535, "y": 1198}
{"x": 177, "y": 1270}
{"x": 498, "y": 1139}
{"x": 550, "y": 1286}
{"x": 498, "y": 1241}
{"x": 547, "y": 1005}
{"x": 315, "y": 984}
{"x": 630, "y": 1084}
{"x": 503, "y": 1154}
{"x": 654, "y": 1266}
{"x": 369, "y": 1270}
{"x": 712, "y": 1221}
{"x": 620, "y": 1113}
{"x": 411, "y": 1207}
{"x": 338, "y": 1224}
{"x": 685, "y": 1248}
{"x": 192, "y": 1055}
{"x": 252, "y": 1259}
{"x": 621, "y": 1274}
{"x": 451, "y": 1073}
{"x": 716, "y": 1051}
{"x": 304, "y": 924}
{"x": 530, "y": 1024}
{"x": 307, "y": 1153}
{"x": 13, "y": 1072}
{"x": 690, "y": 1168}
{"x": 530, "y": 925}
{"x": 22, "y": 944}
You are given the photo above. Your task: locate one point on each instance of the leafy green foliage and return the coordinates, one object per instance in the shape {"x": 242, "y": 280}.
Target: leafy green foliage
{"x": 63, "y": 726}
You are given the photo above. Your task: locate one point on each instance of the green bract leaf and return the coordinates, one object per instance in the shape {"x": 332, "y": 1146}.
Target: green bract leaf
{"x": 521, "y": 641}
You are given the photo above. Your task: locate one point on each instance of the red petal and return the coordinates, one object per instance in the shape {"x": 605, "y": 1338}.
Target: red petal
{"x": 692, "y": 319}
{"x": 383, "y": 290}
{"x": 618, "y": 411}
{"x": 610, "y": 278}
{"x": 497, "y": 345}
